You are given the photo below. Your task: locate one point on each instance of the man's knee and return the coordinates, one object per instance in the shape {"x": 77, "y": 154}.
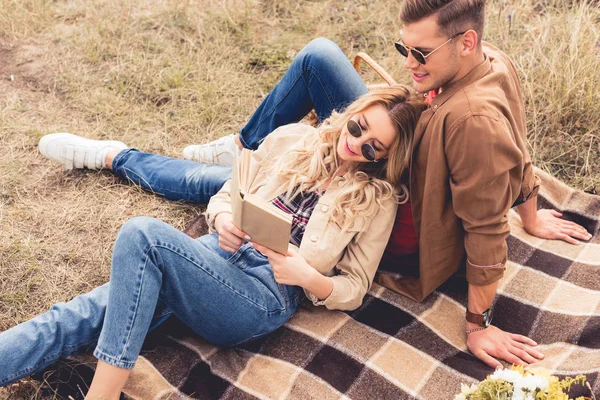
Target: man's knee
{"x": 321, "y": 52}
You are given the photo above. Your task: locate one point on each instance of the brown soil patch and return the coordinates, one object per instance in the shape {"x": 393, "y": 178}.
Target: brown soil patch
{"x": 26, "y": 66}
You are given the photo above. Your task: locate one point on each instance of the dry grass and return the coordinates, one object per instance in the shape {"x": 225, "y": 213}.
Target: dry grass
{"x": 162, "y": 74}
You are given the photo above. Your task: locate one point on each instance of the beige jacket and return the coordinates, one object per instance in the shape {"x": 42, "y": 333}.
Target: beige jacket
{"x": 350, "y": 257}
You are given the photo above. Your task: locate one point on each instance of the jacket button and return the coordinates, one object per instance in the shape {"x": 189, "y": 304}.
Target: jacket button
{"x": 324, "y": 208}
{"x": 313, "y": 238}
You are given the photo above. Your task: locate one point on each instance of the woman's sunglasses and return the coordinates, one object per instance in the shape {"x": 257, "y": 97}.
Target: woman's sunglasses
{"x": 367, "y": 150}
{"x": 417, "y": 54}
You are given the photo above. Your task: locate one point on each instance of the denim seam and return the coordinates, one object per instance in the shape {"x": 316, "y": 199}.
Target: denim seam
{"x": 213, "y": 275}
{"x": 163, "y": 314}
{"x": 126, "y": 172}
{"x": 99, "y": 354}
{"x": 265, "y": 333}
{"x": 136, "y": 302}
{"x": 118, "y": 158}
{"x": 238, "y": 254}
{"x": 323, "y": 87}
{"x": 158, "y": 191}
{"x": 300, "y": 75}
{"x": 268, "y": 113}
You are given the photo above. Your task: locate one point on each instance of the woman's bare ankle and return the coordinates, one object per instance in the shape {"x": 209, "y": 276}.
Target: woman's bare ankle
{"x": 108, "y": 382}
{"x": 108, "y": 160}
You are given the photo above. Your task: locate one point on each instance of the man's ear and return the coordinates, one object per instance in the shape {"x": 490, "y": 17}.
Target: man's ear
{"x": 468, "y": 43}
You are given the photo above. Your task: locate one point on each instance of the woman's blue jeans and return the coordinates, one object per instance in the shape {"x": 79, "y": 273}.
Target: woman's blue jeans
{"x": 157, "y": 270}
{"x": 320, "y": 77}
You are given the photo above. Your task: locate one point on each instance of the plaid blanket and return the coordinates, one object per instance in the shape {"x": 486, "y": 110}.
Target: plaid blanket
{"x": 391, "y": 347}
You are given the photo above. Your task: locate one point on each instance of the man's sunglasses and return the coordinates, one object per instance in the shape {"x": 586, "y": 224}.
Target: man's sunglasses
{"x": 417, "y": 54}
{"x": 367, "y": 150}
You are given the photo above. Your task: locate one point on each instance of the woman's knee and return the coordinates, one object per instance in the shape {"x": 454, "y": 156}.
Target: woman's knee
{"x": 138, "y": 234}
{"x": 145, "y": 226}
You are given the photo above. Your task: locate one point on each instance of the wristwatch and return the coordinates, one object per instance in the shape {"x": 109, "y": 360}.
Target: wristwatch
{"x": 483, "y": 320}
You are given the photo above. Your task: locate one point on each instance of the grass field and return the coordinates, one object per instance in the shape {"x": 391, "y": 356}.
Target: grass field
{"x": 159, "y": 75}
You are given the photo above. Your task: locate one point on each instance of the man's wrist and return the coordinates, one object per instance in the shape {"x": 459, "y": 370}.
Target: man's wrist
{"x": 470, "y": 325}
{"x": 528, "y": 213}
{"x": 481, "y": 328}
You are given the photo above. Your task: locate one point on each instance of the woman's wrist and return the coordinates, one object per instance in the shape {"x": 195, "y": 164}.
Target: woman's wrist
{"x": 319, "y": 285}
{"x": 219, "y": 218}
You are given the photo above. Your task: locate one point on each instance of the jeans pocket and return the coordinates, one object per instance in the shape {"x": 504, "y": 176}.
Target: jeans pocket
{"x": 236, "y": 258}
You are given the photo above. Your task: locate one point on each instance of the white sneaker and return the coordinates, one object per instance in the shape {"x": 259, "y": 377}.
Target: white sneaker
{"x": 220, "y": 151}
{"x": 77, "y": 152}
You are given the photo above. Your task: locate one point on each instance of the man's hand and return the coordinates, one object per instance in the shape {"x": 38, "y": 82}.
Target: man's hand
{"x": 291, "y": 269}
{"x": 230, "y": 236}
{"x": 494, "y": 342}
{"x": 549, "y": 225}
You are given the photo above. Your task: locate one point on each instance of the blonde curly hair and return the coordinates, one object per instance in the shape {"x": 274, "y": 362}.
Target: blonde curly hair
{"x": 314, "y": 161}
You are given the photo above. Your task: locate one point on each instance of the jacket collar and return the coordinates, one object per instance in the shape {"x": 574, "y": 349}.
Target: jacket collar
{"x": 474, "y": 75}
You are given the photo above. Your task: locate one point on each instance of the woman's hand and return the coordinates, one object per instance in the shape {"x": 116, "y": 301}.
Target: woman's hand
{"x": 292, "y": 269}
{"x": 230, "y": 236}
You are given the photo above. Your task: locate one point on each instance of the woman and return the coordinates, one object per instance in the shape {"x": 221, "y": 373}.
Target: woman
{"x": 341, "y": 182}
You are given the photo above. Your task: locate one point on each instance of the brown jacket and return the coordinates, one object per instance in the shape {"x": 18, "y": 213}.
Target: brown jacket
{"x": 470, "y": 166}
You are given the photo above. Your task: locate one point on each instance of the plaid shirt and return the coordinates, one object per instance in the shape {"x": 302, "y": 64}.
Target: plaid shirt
{"x": 300, "y": 207}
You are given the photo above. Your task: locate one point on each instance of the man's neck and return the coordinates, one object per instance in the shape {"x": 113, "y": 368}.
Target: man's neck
{"x": 467, "y": 67}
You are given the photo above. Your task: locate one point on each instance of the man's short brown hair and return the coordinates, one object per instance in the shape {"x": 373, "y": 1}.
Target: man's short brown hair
{"x": 453, "y": 16}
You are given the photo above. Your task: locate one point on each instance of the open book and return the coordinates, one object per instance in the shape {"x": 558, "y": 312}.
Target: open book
{"x": 262, "y": 221}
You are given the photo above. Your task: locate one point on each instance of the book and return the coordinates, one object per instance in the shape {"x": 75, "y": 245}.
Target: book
{"x": 261, "y": 220}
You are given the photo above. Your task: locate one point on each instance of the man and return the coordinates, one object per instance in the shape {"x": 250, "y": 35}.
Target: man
{"x": 470, "y": 161}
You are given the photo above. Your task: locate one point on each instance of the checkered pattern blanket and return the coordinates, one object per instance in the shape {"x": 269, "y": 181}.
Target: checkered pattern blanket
{"x": 393, "y": 347}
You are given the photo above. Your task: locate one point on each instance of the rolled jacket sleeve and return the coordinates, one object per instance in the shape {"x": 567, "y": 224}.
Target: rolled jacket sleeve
{"x": 530, "y": 187}
{"x": 486, "y": 175}
{"x": 357, "y": 266}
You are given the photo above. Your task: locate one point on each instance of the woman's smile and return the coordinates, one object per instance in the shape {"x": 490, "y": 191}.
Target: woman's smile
{"x": 348, "y": 149}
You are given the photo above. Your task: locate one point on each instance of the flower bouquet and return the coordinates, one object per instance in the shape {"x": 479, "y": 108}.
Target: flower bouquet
{"x": 518, "y": 384}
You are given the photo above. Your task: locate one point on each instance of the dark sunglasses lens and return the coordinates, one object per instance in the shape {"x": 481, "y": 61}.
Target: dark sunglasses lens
{"x": 401, "y": 49}
{"x": 354, "y": 128}
{"x": 368, "y": 152}
{"x": 418, "y": 56}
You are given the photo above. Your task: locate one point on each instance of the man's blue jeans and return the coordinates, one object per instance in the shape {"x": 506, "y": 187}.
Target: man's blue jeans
{"x": 156, "y": 271}
{"x": 320, "y": 77}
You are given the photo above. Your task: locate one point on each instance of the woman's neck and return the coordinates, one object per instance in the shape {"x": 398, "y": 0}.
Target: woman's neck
{"x": 343, "y": 168}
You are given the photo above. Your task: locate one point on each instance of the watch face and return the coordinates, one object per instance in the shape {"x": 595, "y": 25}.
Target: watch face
{"x": 487, "y": 317}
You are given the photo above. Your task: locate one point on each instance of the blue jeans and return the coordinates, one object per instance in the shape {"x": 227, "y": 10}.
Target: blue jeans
{"x": 320, "y": 77}
{"x": 156, "y": 271}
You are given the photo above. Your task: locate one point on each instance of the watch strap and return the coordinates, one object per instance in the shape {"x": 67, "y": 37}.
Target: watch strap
{"x": 475, "y": 318}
